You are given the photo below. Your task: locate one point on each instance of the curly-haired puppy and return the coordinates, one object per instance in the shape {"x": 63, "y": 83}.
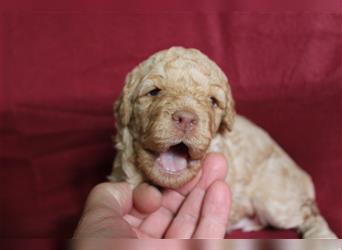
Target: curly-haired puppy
{"x": 177, "y": 106}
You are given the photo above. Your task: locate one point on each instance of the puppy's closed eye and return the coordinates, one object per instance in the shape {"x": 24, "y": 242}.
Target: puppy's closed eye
{"x": 154, "y": 92}
{"x": 218, "y": 98}
{"x": 214, "y": 102}
{"x": 149, "y": 90}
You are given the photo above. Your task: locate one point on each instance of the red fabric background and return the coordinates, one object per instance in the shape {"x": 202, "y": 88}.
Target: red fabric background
{"x": 61, "y": 71}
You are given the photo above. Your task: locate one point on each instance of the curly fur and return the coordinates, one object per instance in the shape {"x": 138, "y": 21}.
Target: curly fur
{"x": 268, "y": 188}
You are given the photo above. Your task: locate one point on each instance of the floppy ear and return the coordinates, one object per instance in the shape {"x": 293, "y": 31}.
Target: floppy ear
{"x": 124, "y": 168}
{"x": 123, "y": 106}
{"x": 229, "y": 112}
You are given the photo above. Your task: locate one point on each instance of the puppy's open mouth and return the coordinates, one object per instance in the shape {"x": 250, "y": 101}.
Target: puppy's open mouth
{"x": 174, "y": 160}
{"x": 171, "y": 166}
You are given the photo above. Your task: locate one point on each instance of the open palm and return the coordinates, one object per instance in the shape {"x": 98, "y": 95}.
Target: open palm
{"x": 197, "y": 210}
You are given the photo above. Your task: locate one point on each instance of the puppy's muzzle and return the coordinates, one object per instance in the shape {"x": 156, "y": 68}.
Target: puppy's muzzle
{"x": 185, "y": 121}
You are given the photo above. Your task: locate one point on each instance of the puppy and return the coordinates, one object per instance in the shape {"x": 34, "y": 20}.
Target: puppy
{"x": 177, "y": 106}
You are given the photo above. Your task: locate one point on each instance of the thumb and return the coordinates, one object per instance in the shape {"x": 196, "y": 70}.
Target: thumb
{"x": 104, "y": 210}
{"x": 117, "y": 197}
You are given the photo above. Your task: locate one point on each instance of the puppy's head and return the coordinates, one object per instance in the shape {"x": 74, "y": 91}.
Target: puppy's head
{"x": 173, "y": 104}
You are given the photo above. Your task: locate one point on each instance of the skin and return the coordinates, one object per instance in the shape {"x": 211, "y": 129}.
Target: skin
{"x": 198, "y": 209}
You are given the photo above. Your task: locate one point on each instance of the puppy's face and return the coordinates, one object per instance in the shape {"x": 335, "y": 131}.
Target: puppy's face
{"x": 176, "y": 105}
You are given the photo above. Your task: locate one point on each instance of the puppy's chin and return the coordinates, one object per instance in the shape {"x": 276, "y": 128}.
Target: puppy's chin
{"x": 169, "y": 169}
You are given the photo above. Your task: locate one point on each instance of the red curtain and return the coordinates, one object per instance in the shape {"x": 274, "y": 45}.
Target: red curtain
{"x": 60, "y": 72}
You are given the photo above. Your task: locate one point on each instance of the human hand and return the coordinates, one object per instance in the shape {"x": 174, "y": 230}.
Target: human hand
{"x": 199, "y": 209}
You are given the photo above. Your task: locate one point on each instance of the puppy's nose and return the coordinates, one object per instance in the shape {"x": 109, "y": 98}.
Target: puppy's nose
{"x": 185, "y": 120}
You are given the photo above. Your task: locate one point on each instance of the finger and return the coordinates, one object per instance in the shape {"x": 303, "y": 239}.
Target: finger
{"x": 214, "y": 167}
{"x": 156, "y": 223}
{"x": 146, "y": 198}
{"x": 184, "y": 224}
{"x": 132, "y": 220}
{"x": 214, "y": 215}
{"x": 185, "y": 189}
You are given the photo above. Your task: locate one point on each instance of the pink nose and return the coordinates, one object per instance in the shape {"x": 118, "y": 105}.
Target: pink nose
{"x": 185, "y": 120}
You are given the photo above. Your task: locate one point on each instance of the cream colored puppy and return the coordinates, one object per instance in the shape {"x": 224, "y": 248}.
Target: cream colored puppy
{"x": 177, "y": 106}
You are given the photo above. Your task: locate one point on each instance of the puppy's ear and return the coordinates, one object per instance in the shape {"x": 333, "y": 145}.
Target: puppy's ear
{"x": 123, "y": 168}
{"x": 229, "y": 112}
{"x": 123, "y": 106}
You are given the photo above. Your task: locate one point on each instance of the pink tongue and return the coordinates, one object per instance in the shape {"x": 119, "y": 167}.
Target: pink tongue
{"x": 172, "y": 162}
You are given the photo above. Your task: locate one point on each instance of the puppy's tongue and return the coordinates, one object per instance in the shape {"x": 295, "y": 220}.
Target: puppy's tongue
{"x": 175, "y": 159}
